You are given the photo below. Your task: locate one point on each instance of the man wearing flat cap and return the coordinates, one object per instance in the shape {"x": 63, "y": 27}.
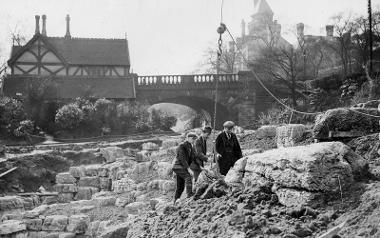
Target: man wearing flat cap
{"x": 227, "y": 148}
{"x": 181, "y": 166}
{"x": 200, "y": 152}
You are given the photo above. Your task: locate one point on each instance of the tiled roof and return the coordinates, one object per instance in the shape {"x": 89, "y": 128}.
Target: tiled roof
{"x": 89, "y": 51}
{"x": 92, "y": 51}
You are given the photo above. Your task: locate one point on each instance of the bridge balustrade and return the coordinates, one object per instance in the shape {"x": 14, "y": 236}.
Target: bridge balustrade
{"x": 199, "y": 79}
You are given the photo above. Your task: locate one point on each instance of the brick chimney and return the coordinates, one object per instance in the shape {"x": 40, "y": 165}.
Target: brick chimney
{"x": 329, "y": 30}
{"x": 300, "y": 29}
{"x": 37, "y": 25}
{"x": 44, "y": 25}
{"x": 68, "y": 26}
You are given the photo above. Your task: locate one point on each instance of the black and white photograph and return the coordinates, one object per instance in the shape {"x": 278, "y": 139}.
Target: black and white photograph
{"x": 189, "y": 119}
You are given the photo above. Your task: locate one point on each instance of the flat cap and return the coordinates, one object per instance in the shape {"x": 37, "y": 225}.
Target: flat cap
{"x": 191, "y": 134}
{"x": 229, "y": 124}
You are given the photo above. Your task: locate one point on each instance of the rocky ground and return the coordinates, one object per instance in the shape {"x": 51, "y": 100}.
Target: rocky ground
{"x": 285, "y": 186}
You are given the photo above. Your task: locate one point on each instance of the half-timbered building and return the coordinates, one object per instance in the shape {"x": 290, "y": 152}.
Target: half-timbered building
{"x": 72, "y": 67}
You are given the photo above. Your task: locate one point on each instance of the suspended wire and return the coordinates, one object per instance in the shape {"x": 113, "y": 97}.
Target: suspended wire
{"x": 221, "y": 11}
{"x": 276, "y": 98}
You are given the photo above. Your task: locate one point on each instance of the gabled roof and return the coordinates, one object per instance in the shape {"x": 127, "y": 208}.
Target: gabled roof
{"x": 92, "y": 51}
{"x": 262, "y": 7}
{"x": 85, "y": 51}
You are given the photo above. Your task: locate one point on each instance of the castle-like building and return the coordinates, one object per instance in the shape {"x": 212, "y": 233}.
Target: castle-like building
{"x": 264, "y": 31}
{"x": 70, "y": 67}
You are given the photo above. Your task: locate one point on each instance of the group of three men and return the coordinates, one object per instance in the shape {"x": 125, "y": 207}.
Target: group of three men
{"x": 192, "y": 154}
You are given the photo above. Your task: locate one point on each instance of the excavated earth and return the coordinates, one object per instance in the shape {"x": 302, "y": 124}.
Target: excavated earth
{"x": 125, "y": 189}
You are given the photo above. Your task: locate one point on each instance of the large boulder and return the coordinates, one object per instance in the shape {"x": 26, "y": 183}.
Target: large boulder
{"x": 323, "y": 167}
{"x": 268, "y": 131}
{"x": 345, "y": 119}
{"x": 289, "y": 135}
{"x": 235, "y": 174}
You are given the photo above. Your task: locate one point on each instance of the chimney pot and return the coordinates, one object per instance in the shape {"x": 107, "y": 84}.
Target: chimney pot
{"x": 242, "y": 28}
{"x": 68, "y": 35}
{"x": 329, "y": 30}
{"x": 37, "y": 25}
{"x": 300, "y": 29}
{"x": 44, "y": 25}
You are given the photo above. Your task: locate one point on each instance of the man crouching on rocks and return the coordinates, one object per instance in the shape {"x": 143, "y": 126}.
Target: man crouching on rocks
{"x": 200, "y": 152}
{"x": 185, "y": 156}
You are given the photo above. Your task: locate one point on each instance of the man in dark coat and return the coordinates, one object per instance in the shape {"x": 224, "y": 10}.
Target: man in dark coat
{"x": 181, "y": 166}
{"x": 227, "y": 148}
{"x": 200, "y": 152}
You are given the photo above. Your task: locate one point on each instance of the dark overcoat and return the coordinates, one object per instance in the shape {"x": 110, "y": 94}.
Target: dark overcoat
{"x": 229, "y": 149}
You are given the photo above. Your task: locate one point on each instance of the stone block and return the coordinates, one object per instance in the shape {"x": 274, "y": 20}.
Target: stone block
{"x": 33, "y": 224}
{"x": 123, "y": 201}
{"x": 30, "y": 202}
{"x": 65, "y": 178}
{"x": 85, "y": 193}
{"x": 105, "y": 184}
{"x": 67, "y": 235}
{"x": 92, "y": 170}
{"x": 236, "y": 174}
{"x": 289, "y": 135}
{"x": 161, "y": 185}
{"x": 65, "y": 197}
{"x": 112, "y": 153}
{"x": 49, "y": 199}
{"x": 120, "y": 230}
{"x": 150, "y": 146}
{"x": 66, "y": 188}
{"x": 105, "y": 201}
{"x": 89, "y": 182}
{"x": 77, "y": 172}
{"x": 123, "y": 185}
{"x": 166, "y": 144}
{"x": 103, "y": 171}
{"x": 142, "y": 156}
{"x": 55, "y": 223}
{"x": 78, "y": 224}
{"x": 7, "y": 228}
{"x": 85, "y": 209}
{"x": 266, "y": 132}
{"x": 136, "y": 207}
{"x": 10, "y": 203}
{"x": 37, "y": 211}
{"x": 321, "y": 167}
{"x": 37, "y": 234}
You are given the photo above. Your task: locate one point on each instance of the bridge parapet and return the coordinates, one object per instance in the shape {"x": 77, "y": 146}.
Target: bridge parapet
{"x": 196, "y": 79}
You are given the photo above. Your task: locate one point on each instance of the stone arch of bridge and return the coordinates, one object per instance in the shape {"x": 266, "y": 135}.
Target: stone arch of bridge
{"x": 199, "y": 104}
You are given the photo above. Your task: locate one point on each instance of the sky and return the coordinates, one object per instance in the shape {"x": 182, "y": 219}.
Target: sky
{"x": 164, "y": 36}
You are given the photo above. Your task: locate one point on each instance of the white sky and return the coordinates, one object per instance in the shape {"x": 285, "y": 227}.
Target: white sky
{"x": 165, "y": 36}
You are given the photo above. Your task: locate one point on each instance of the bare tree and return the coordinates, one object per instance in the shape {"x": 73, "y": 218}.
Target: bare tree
{"x": 228, "y": 60}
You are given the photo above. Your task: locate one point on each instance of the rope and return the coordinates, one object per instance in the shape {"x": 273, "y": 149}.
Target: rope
{"x": 276, "y": 98}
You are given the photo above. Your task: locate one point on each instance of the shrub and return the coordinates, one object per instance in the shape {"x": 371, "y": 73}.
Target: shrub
{"x": 11, "y": 114}
{"x": 69, "y": 117}
{"x": 25, "y": 127}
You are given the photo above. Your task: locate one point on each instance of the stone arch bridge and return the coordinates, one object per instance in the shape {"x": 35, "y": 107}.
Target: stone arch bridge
{"x": 240, "y": 97}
